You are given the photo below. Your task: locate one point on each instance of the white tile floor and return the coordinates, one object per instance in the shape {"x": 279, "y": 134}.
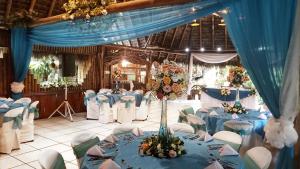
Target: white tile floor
{"x": 56, "y": 133}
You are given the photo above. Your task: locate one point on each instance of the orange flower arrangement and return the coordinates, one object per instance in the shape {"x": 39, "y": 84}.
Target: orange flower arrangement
{"x": 237, "y": 76}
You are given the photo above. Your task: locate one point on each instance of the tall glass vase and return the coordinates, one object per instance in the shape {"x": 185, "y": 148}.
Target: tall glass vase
{"x": 237, "y": 97}
{"x": 163, "y": 133}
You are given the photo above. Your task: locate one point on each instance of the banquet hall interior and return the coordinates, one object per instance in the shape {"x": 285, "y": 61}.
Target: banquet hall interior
{"x": 149, "y": 84}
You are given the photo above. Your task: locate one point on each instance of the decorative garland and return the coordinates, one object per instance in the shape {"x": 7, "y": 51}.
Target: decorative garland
{"x": 86, "y": 8}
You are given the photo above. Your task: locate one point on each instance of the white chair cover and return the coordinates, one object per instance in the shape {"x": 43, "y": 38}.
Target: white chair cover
{"x": 139, "y": 91}
{"x": 92, "y": 108}
{"x": 3, "y": 99}
{"x": 104, "y": 91}
{"x": 181, "y": 127}
{"x": 142, "y": 111}
{"x": 27, "y": 130}
{"x": 261, "y": 156}
{"x": 24, "y": 100}
{"x": 49, "y": 158}
{"x": 231, "y": 138}
{"x": 10, "y": 137}
{"x": 208, "y": 101}
{"x": 106, "y": 114}
{"x": 126, "y": 109}
{"x": 81, "y": 138}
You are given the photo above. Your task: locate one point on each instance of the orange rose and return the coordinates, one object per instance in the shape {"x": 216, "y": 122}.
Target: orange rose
{"x": 145, "y": 146}
{"x": 167, "y": 80}
{"x": 176, "y": 87}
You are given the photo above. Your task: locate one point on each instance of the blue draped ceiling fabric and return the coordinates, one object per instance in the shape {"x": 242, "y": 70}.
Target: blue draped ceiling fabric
{"x": 260, "y": 29}
{"x": 261, "y": 32}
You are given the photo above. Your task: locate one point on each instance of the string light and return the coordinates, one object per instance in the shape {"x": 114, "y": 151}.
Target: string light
{"x": 202, "y": 49}
{"x": 219, "y": 49}
{"x": 187, "y": 49}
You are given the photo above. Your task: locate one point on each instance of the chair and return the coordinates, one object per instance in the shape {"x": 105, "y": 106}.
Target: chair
{"x": 92, "y": 108}
{"x": 81, "y": 143}
{"x": 141, "y": 113}
{"x": 257, "y": 158}
{"x": 139, "y": 91}
{"x": 3, "y": 99}
{"x": 25, "y": 101}
{"x": 27, "y": 130}
{"x": 51, "y": 159}
{"x": 9, "y": 132}
{"x": 181, "y": 127}
{"x": 231, "y": 138}
{"x": 106, "y": 114}
{"x": 185, "y": 110}
{"x": 239, "y": 127}
{"x": 104, "y": 91}
{"x": 126, "y": 109}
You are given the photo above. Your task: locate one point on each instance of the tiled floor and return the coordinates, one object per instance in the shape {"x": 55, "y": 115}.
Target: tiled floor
{"x": 56, "y": 133}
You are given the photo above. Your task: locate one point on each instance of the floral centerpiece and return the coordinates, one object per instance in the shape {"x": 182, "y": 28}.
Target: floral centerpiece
{"x": 86, "y": 8}
{"x": 169, "y": 82}
{"x": 152, "y": 146}
{"x": 236, "y": 108}
{"x": 225, "y": 91}
{"x": 116, "y": 75}
{"x": 237, "y": 76}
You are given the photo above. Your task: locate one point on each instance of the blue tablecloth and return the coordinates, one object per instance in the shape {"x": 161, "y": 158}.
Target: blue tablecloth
{"x": 126, "y": 155}
{"x": 216, "y": 93}
{"x": 215, "y": 123}
{"x": 113, "y": 98}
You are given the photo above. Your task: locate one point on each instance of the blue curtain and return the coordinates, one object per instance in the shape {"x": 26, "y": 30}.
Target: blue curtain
{"x": 21, "y": 51}
{"x": 261, "y": 31}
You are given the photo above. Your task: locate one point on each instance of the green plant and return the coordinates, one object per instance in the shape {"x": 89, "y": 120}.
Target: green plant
{"x": 41, "y": 68}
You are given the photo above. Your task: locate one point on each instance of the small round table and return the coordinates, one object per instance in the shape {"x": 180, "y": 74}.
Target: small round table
{"x": 199, "y": 155}
{"x": 215, "y": 123}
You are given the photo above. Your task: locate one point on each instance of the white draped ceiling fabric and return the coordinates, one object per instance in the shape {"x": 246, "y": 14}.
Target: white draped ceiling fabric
{"x": 212, "y": 58}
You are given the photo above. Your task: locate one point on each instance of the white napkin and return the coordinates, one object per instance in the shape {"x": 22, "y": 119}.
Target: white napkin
{"x": 96, "y": 151}
{"x": 4, "y": 106}
{"x": 213, "y": 113}
{"x": 111, "y": 138}
{"x": 208, "y": 137}
{"x": 214, "y": 165}
{"x": 262, "y": 116}
{"x": 192, "y": 119}
{"x": 137, "y": 132}
{"x": 234, "y": 116}
{"x": 227, "y": 150}
{"x": 9, "y": 100}
{"x": 109, "y": 164}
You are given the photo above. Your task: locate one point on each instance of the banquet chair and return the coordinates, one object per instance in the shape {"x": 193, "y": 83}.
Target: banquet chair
{"x": 27, "y": 130}
{"x": 121, "y": 129}
{"x": 185, "y": 110}
{"x": 51, "y": 159}
{"x": 9, "y": 132}
{"x": 240, "y": 127}
{"x": 106, "y": 114}
{"x": 231, "y": 138}
{"x": 3, "y": 99}
{"x": 181, "y": 127}
{"x": 126, "y": 109}
{"x": 142, "y": 111}
{"x": 139, "y": 91}
{"x": 257, "y": 158}
{"x": 81, "y": 143}
{"x": 105, "y": 91}
{"x": 92, "y": 108}
{"x": 25, "y": 101}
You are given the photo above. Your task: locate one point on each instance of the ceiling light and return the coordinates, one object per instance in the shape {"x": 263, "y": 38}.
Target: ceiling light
{"x": 195, "y": 23}
{"x": 193, "y": 9}
{"x": 187, "y": 49}
{"x": 124, "y": 63}
{"x": 202, "y": 49}
{"x": 219, "y": 49}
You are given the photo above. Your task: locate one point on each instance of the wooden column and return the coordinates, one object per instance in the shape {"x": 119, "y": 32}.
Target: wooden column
{"x": 103, "y": 51}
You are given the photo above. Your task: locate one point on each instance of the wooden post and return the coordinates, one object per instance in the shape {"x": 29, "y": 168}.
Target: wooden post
{"x": 103, "y": 51}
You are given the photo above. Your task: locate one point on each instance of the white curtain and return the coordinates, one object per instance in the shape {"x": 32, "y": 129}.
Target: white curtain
{"x": 2, "y": 51}
{"x": 207, "y": 58}
{"x": 214, "y": 57}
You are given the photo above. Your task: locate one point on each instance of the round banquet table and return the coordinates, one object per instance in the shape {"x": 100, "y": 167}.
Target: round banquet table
{"x": 199, "y": 155}
{"x": 215, "y": 123}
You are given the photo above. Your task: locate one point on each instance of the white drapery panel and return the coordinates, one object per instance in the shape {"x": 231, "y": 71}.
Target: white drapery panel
{"x": 213, "y": 57}
{"x": 3, "y": 50}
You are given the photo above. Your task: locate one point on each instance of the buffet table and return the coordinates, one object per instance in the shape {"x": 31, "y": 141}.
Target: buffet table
{"x": 211, "y": 97}
{"x": 199, "y": 155}
{"x": 214, "y": 123}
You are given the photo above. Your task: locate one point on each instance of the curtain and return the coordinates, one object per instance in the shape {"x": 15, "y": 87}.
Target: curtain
{"x": 21, "y": 51}
{"x": 261, "y": 32}
{"x": 214, "y": 57}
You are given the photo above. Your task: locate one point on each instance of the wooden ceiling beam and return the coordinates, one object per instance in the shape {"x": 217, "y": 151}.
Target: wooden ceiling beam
{"x": 51, "y": 8}
{"x": 148, "y": 40}
{"x": 182, "y": 35}
{"x": 8, "y": 9}
{"x": 164, "y": 39}
{"x": 32, "y": 4}
{"x": 118, "y": 7}
{"x": 173, "y": 38}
